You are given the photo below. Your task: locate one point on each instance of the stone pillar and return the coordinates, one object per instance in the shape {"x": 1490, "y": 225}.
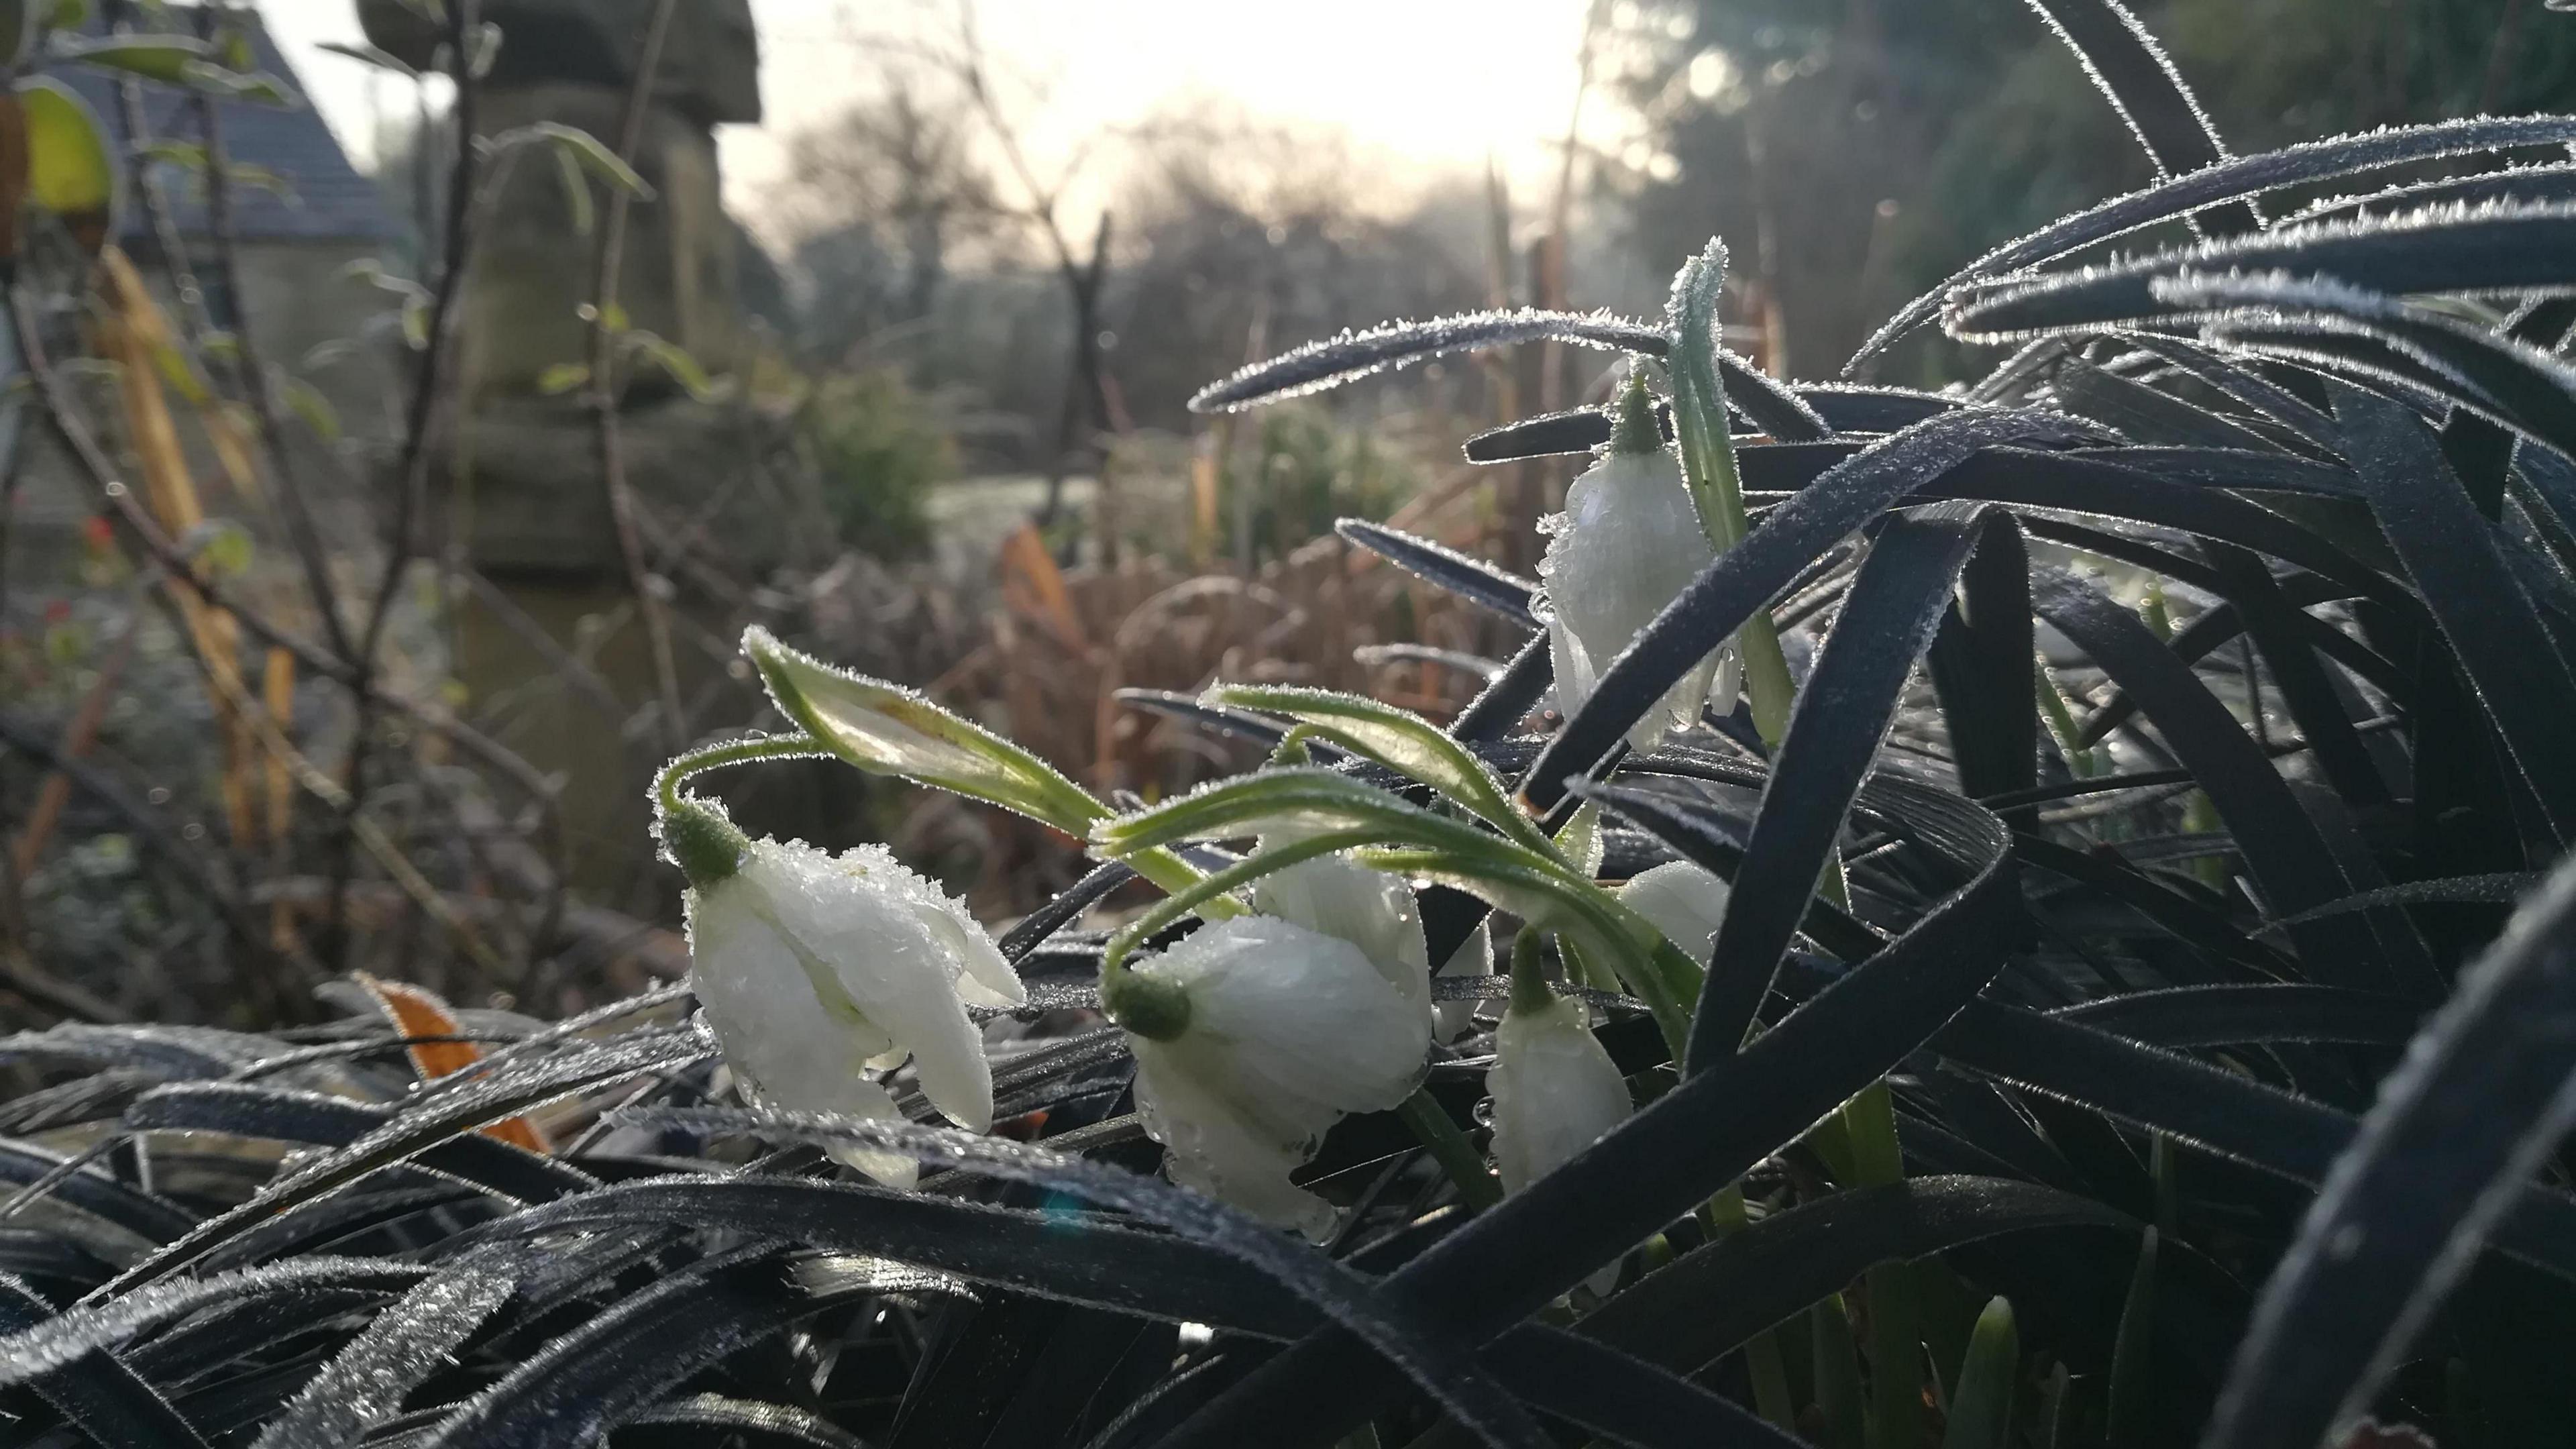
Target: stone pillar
{"x": 529, "y": 505}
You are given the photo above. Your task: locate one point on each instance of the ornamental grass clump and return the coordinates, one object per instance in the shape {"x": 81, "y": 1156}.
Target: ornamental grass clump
{"x": 2115, "y": 994}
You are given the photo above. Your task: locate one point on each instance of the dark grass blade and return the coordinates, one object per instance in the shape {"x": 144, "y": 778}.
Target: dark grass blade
{"x": 226, "y": 1336}
{"x": 1081, "y": 1260}
{"x": 2282, "y": 633}
{"x": 714, "y": 1415}
{"x": 1474, "y": 580}
{"x": 2281, "y": 845}
{"x": 1510, "y": 697}
{"x": 367, "y": 1381}
{"x": 2497, "y": 376}
{"x": 597, "y": 1375}
{"x": 2513, "y": 183}
{"x": 1744, "y": 578}
{"x": 2164, "y": 488}
{"x": 2491, "y": 626}
{"x": 2141, "y": 83}
{"x": 1064, "y": 907}
{"x": 277, "y": 1115}
{"x": 2244, "y": 177}
{"x": 1549, "y": 435}
{"x": 2261, "y": 1126}
{"x": 1698, "y": 834}
{"x": 2480, "y": 1103}
{"x": 1980, "y": 666}
{"x": 1393, "y": 1328}
{"x": 2145, "y": 415}
{"x": 1706, "y": 1303}
{"x": 1896, "y": 603}
{"x": 2499, "y": 888}
{"x": 2495, "y": 251}
{"x": 94, "y": 1389}
{"x": 2183, "y": 1017}
{"x": 1353, "y": 355}
{"x": 1843, "y": 408}
{"x": 154, "y": 1219}
{"x": 1851, "y": 408}
{"x": 1511, "y": 1260}
{"x": 440, "y": 1116}
{"x": 2225, "y": 373}
{"x": 32, "y": 1351}
{"x": 1624, "y": 1398}
{"x": 2223, "y": 943}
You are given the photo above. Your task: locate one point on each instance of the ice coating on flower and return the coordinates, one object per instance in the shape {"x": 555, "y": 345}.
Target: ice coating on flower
{"x": 1626, "y": 544}
{"x": 1684, "y": 901}
{"x": 1289, "y": 1029}
{"x": 1474, "y": 957}
{"x": 812, "y": 966}
{"x": 1336, "y": 896}
{"x": 1555, "y": 1092}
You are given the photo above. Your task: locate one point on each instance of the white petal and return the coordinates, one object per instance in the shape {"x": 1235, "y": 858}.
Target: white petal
{"x": 1474, "y": 957}
{"x": 856, "y": 914}
{"x": 1372, "y": 910}
{"x": 891, "y": 1168}
{"x": 1555, "y": 1092}
{"x": 1684, "y": 901}
{"x": 1217, "y": 1148}
{"x": 1628, "y": 542}
{"x": 774, "y": 1026}
{"x": 1299, "y": 1011}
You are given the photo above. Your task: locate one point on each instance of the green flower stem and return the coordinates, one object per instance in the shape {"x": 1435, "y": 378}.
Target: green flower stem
{"x": 666, "y": 785}
{"x": 1450, "y": 1148}
{"x": 1895, "y": 1310}
{"x": 1725, "y": 1216}
{"x": 2061, "y": 720}
{"x": 1716, "y": 487}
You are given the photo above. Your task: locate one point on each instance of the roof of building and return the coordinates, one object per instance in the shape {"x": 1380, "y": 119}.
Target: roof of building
{"x": 327, "y": 199}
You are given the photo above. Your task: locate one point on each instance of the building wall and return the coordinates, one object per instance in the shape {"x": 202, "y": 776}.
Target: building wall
{"x": 296, "y": 302}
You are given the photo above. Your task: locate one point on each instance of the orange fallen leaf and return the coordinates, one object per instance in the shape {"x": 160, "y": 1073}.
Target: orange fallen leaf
{"x": 417, "y": 1013}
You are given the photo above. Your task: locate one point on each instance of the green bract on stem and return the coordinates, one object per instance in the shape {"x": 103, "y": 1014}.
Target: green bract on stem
{"x": 886, "y": 729}
{"x": 1708, "y": 463}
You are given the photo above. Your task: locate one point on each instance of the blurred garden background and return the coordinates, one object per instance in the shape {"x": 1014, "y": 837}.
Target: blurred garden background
{"x": 380, "y": 512}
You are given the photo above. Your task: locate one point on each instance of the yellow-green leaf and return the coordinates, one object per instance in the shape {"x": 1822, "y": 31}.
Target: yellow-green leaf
{"x": 70, "y": 170}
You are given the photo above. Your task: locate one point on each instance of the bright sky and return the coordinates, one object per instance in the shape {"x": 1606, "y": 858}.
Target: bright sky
{"x": 1435, "y": 83}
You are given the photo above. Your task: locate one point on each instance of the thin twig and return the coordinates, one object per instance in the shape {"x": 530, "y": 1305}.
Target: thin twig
{"x": 296, "y": 508}
{"x": 412, "y": 468}
{"x": 604, "y": 386}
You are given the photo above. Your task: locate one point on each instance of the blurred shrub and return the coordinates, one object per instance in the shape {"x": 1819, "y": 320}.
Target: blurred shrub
{"x": 1306, "y": 470}
{"x": 879, "y": 446}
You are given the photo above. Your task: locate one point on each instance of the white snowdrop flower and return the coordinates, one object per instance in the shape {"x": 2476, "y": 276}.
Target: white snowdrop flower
{"x": 813, "y": 967}
{"x": 1555, "y": 1089}
{"x": 1336, "y": 896}
{"x": 1628, "y": 541}
{"x": 1252, "y": 1037}
{"x": 1686, "y": 902}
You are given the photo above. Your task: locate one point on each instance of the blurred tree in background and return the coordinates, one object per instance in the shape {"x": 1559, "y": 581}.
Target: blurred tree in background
{"x": 1853, "y": 152}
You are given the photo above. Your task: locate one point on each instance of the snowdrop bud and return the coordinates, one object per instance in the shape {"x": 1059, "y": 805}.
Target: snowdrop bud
{"x": 812, "y": 966}
{"x": 1555, "y": 1090}
{"x": 1684, "y": 901}
{"x": 1252, "y": 1037}
{"x": 1628, "y": 541}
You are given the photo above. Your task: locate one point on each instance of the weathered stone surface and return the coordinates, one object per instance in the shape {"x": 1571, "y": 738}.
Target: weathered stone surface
{"x": 710, "y": 68}
{"x": 533, "y": 271}
{"x": 537, "y": 509}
